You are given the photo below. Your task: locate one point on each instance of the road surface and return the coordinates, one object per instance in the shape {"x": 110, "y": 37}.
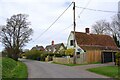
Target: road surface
{"x": 37, "y": 69}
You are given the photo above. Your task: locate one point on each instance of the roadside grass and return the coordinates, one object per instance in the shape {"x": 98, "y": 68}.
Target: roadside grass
{"x": 20, "y": 70}
{"x": 66, "y": 64}
{"x": 110, "y": 71}
{"x": 0, "y": 68}
{"x": 13, "y": 69}
{"x": 76, "y": 64}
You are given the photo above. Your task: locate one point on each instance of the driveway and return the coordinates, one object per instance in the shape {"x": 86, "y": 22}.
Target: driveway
{"x": 37, "y": 69}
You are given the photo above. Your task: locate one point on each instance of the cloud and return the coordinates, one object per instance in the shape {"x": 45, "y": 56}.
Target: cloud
{"x": 42, "y": 13}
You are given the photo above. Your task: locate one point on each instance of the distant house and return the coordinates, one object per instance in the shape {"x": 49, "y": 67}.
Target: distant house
{"x": 55, "y": 48}
{"x": 41, "y": 48}
{"x": 93, "y": 47}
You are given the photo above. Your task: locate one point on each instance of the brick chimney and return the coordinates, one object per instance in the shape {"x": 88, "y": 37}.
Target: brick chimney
{"x": 52, "y": 42}
{"x": 87, "y": 30}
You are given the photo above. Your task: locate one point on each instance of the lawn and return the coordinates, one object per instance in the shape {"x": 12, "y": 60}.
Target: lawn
{"x": 110, "y": 71}
{"x": 13, "y": 69}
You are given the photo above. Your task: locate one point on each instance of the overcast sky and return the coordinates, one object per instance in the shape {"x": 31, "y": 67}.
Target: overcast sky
{"x": 42, "y": 13}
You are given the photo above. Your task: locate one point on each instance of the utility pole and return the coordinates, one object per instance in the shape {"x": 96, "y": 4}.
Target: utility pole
{"x": 74, "y": 57}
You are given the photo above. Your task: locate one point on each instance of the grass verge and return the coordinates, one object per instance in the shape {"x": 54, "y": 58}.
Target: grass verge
{"x": 0, "y": 68}
{"x": 67, "y": 64}
{"x": 110, "y": 71}
{"x": 75, "y": 64}
{"x": 13, "y": 69}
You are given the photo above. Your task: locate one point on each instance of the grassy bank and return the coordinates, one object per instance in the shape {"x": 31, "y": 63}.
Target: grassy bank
{"x": 110, "y": 71}
{"x": 13, "y": 69}
{"x": 0, "y": 67}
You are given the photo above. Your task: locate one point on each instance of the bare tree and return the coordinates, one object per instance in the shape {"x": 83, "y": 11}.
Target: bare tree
{"x": 115, "y": 29}
{"x": 112, "y": 29}
{"x": 115, "y": 25}
{"x": 100, "y": 27}
{"x": 15, "y": 34}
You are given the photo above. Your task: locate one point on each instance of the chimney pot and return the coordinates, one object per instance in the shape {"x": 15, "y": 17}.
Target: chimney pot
{"x": 87, "y": 30}
{"x": 52, "y": 42}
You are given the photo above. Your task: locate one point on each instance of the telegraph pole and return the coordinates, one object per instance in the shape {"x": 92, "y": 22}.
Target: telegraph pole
{"x": 74, "y": 57}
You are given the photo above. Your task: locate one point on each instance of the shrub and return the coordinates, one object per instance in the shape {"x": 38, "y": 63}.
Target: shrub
{"x": 41, "y": 55}
{"x": 117, "y": 58}
{"x": 69, "y": 52}
{"x": 59, "y": 55}
{"x": 50, "y": 54}
{"x": 33, "y": 54}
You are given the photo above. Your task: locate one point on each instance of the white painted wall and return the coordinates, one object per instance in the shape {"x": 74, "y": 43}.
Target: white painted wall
{"x": 61, "y": 48}
{"x": 71, "y": 37}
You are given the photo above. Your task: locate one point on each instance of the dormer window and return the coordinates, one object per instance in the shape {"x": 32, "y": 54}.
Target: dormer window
{"x": 71, "y": 42}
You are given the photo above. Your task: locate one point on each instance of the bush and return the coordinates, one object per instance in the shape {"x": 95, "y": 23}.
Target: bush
{"x": 56, "y": 54}
{"x": 33, "y": 54}
{"x": 117, "y": 58}
{"x": 59, "y": 55}
{"x": 36, "y": 55}
{"x": 41, "y": 55}
{"x": 69, "y": 52}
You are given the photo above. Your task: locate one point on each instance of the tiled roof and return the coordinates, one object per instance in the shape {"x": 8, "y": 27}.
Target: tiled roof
{"x": 41, "y": 48}
{"x": 95, "y": 40}
{"x": 55, "y": 46}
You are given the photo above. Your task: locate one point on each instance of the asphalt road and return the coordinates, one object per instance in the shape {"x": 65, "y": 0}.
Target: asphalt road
{"x": 37, "y": 69}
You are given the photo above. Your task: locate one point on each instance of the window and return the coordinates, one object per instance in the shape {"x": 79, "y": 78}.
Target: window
{"x": 71, "y": 42}
{"x": 79, "y": 49}
{"x": 78, "y": 53}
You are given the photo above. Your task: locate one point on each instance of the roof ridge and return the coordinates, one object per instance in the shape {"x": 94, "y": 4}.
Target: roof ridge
{"x": 55, "y": 44}
{"x": 90, "y": 33}
{"x": 94, "y": 39}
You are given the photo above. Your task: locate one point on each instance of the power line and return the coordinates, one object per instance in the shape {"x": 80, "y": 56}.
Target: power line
{"x": 68, "y": 27}
{"x": 79, "y": 14}
{"x": 97, "y": 10}
{"x": 52, "y": 23}
{"x": 85, "y": 7}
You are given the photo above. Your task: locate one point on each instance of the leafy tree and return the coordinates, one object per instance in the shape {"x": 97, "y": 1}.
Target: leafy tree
{"x": 15, "y": 34}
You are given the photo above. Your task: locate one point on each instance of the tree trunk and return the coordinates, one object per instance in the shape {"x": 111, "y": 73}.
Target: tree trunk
{"x": 15, "y": 57}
